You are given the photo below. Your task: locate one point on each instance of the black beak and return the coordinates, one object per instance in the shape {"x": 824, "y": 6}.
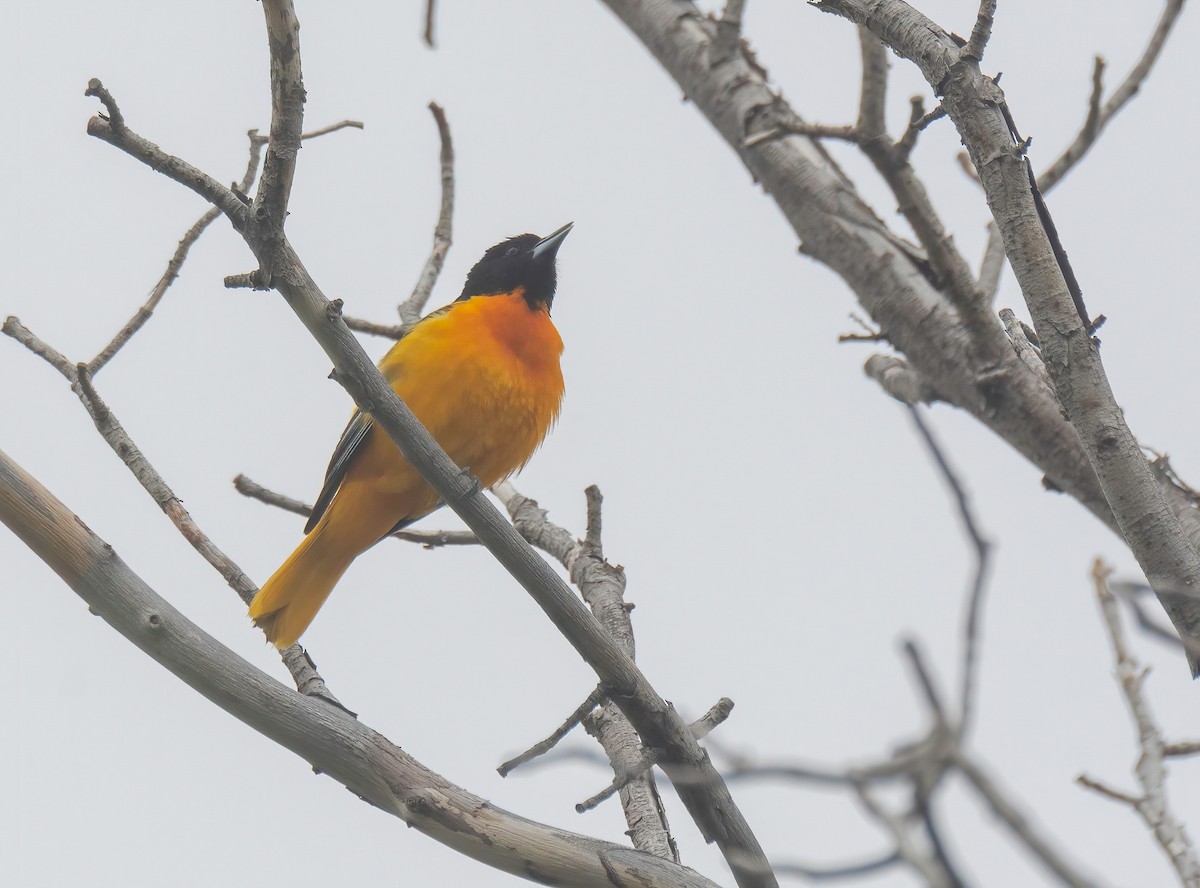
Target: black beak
{"x": 548, "y": 246}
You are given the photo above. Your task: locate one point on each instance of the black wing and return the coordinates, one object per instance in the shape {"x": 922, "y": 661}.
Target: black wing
{"x": 347, "y": 446}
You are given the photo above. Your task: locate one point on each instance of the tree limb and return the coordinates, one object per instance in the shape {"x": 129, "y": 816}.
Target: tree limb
{"x": 976, "y": 105}
{"x": 334, "y": 742}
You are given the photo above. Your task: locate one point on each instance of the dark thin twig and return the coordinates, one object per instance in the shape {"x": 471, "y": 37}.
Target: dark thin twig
{"x": 1132, "y": 593}
{"x": 1182, "y": 748}
{"x": 979, "y": 580}
{"x": 834, "y": 873}
{"x": 430, "y": 21}
{"x": 924, "y": 810}
{"x": 430, "y": 539}
{"x": 543, "y": 746}
{"x": 1020, "y": 826}
{"x": 410, "y": 310}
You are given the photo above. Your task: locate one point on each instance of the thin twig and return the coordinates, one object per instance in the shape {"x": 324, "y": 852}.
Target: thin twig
{"x": 411, "y": 308}
{"x": 298, "y": 663}
{"x": 917, "y": 122}
{"x": 1099, "y": 117}
{"x": 907, "y": 847}
{"x": 978, "y": 585}
{"x": 848, "y": 133}
{"x": 1181, "y": 749}
{"x": 175, "y": 265}
{"x": 113, "y": 130}
{"x": 1020, "y": 826}
{"x": 389, "y": 331}
{"x": 332, "y": 128}
{"x": 1101, "y": 788}
{"x": 189, "y": 238}
{"x": 544, "y": 746}
{"x": 430, "y": 21}
{"x": 1132, "y": 593}
{"x": 835, "y": 873}
{"x": 430, "y": 539}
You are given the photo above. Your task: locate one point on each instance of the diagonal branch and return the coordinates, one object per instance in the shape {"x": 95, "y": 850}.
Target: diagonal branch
{"x": 707, "y": 799}
{"x": 838, "y": 229}
{"x": 336, "y": 744}
{"x": 976, "y": 105}
{"x": 303, "y": 672}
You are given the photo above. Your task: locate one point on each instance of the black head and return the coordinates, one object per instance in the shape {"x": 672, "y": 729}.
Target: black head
{"x": 525, "y": 261}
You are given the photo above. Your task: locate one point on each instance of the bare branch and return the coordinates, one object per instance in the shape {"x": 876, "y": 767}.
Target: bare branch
{"x": 872, "y": 98}
{"x": 544, "y": 746}
{"x": 834, "y": 873}
{"x": 365, "y": 762}
{"x": 430, "y": 21}
{"x": 978, "y": 586}
{"x": 976, "y": 104}
{"x": 1179, "y": 750}
{"x": 389, "y": 331}
{"x": 22, "y": 334}
{"x": 847, "y": 133}
{"x": 1099, "y": 117}
{"x": 838, "y": 229}
{"x": 982, "y": 32}
{"x": 287, "y": 123}
{"x": 1024, "y": 345}
{"x": 332, "y": 128}
{"x": 1150, "y": 769}
{"x": 917, "y": 123}
{"x": 113, "y": 130}
{"x": 175, "y": 265}
{"x": 699, "y": 729}
{"x": 1020, "y": 825}
{"x": 411, "y": 308}
{"x": 1104, "y": 789}
{"x": 429, "y": 539}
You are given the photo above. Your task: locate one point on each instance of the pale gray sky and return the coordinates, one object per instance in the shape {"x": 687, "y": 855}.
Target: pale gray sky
{"x": 779, "y": 522}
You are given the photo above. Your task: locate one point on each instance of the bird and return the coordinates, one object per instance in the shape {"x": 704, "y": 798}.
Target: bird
{"x": 482, "y": 374}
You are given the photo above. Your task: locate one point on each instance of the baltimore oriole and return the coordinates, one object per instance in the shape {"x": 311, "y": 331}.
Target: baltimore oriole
{"x": 482, "y": 375}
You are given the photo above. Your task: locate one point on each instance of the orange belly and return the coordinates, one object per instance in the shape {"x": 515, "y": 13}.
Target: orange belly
{"x": 484, "y": 379}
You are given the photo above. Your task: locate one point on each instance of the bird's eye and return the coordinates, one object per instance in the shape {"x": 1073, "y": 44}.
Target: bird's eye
{"x": 512, "y": 251}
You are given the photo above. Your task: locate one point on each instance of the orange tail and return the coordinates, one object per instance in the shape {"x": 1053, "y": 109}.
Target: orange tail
{"x": 288, "y": 602}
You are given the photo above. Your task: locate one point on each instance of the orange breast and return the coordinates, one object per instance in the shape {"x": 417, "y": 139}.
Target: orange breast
{"x": 484, "y": 378}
